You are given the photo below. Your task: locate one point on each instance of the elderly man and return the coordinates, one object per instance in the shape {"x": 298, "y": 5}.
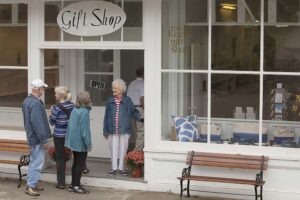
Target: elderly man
{"x": 37, "y": 132}
{"x": 136, "y": 93}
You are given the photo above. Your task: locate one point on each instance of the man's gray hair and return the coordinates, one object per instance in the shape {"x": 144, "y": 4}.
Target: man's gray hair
{"x": 121, "y": 84}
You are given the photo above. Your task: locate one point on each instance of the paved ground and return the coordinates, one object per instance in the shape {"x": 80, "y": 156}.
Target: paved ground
{"x": 9, "y": 191}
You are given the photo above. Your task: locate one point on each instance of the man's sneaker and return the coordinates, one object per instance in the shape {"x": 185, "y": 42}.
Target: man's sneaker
{"x": 38, "y": 188}
{"x": 124, "y": 173}
{"x": 79, "y": 190}
{"x": 85, "y": 171}
{"x": 30, "y": 191}
{"x": 112, "y": 173}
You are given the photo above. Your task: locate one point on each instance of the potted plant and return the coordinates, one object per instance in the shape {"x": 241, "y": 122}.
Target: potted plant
{"x": 135, "y": 159}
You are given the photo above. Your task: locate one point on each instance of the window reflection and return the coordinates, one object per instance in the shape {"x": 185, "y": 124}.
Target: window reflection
{"x": 13, "y": 87}
{"x": 52, "y": 79}
{"x": 13, "y": 41}
{"x": 196, "y": 11}
{"x": 5, "y": 13}
{"x": 184, "y": 97}
{"x": 230, "y": 91}
{"x": 235, "y": 48}
{"x": 226, "y": 10}
{"x": 281, "y": 52}
{"x": 288, "y": 10}
{"x": 22, "y": 13}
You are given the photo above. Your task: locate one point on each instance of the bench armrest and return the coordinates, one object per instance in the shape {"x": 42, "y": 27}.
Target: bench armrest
{"x": 24, "y": 160}
{"x": 186, "y": 172}
{"x": 259, "y": 177}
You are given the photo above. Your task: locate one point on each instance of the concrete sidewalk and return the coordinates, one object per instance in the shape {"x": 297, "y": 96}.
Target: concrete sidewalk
{"x": 9, "y": 191}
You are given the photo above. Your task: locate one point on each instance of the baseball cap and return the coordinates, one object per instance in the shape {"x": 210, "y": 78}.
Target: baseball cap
{"x": 38, "y": 83}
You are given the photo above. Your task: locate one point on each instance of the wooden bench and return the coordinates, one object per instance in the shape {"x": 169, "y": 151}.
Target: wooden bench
{"x": 17, "y": 146}
{"x": 232, "y": 161}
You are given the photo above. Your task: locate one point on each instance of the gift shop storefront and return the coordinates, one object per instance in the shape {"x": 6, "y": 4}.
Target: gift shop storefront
{"x": 230, "y": 69}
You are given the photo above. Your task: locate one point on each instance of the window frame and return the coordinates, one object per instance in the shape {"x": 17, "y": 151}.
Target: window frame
{"x": 261, "y": 72}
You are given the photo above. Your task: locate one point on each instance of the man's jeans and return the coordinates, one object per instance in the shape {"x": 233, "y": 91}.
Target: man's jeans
{"x": 37, "y": 158}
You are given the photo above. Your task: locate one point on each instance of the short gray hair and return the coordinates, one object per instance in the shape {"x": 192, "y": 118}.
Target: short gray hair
{"x": 121, "y": 84}
{"x": 83, "y": 99}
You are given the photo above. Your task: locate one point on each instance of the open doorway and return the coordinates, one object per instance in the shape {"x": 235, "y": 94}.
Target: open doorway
{"x": 94, "y": 71}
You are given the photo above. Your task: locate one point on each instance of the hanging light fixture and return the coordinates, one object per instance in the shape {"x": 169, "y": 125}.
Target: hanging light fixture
{"x": 228, "y": 6}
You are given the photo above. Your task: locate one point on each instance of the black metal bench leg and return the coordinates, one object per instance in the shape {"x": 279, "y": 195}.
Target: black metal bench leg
{"x": 181, "y": 188}
{"x": 261, "y": 192}
{"x": 255, "y": 188}
{"x": 20, "y": 175}
{"x": 188, "y": 188}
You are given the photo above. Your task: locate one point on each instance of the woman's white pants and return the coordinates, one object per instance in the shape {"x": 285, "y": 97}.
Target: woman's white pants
{"x": 118, "y": 145}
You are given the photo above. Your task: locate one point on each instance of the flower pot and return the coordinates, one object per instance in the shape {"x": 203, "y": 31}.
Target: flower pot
{"x": 137, "y": 172}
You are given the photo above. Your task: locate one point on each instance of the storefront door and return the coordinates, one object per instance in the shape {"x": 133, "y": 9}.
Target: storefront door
{"x": 94, "y": 71}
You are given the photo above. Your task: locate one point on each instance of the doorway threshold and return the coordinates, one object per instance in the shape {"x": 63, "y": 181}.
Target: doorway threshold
{"x": 98, "y": 168}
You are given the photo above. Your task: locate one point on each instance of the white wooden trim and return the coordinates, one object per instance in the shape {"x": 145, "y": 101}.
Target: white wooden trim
{"x": 100, "y": 73}
{"x": 92, "y": 45}
{"x": 152, "y": 38}
{"x": 211, "y": 17}
{"x": 35, "y": 55}
{"x": 14, "y": 67}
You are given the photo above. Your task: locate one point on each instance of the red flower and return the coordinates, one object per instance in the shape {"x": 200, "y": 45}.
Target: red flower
{"x": 52, "y": 153}
{"x": 135, "y": 159}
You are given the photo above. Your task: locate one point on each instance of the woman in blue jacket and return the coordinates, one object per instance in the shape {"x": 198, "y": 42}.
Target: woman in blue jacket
{"x": 78, "y": 138}
{"x": 117, "y": 125}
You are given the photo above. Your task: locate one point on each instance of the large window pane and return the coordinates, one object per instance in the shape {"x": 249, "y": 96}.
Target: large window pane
{"x": 282, "y": 48}
{"x": 99, "y": 96}
{"x": 288, "y": 10}
{"x": 52, "y": 31}
{"x": 13, "y": 49}
{"x": 235, "y": 48}
{"x": 281, "y": 110}
{"x": 226, "y": 10}
{"x": 134, "y": 22}
{"x": 22, "y": 13}
{"x": 5, "y": 13}
{"x": 196, "y": 11}
{"x": 236, "y": 11}
{"x": 13, "y": 87}
{"x": 52, "y": 79}
{"x": 184, "y": 97}
{"x": 234, "y": 108}
{"x": 98, "y": 60}
{"x": 184, "y": 46}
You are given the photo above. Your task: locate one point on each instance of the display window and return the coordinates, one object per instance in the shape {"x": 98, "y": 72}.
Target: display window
{"x": 225, "y": 68}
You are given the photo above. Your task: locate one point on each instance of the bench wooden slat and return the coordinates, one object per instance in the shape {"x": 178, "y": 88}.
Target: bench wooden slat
{"x": 13, "y": 145}
{"x": 228, "y": 160}
{"x": 14, "y": 149}
{"x": 13, "y": 162}
{"x": 227, "y": 165}
{"x": 13, "y": 141}
{"x": 222, "y": 180}
{"x": 217, "y": 155}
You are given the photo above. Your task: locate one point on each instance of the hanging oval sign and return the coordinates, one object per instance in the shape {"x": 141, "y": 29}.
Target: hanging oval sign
{"x": 91, "y": 18}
